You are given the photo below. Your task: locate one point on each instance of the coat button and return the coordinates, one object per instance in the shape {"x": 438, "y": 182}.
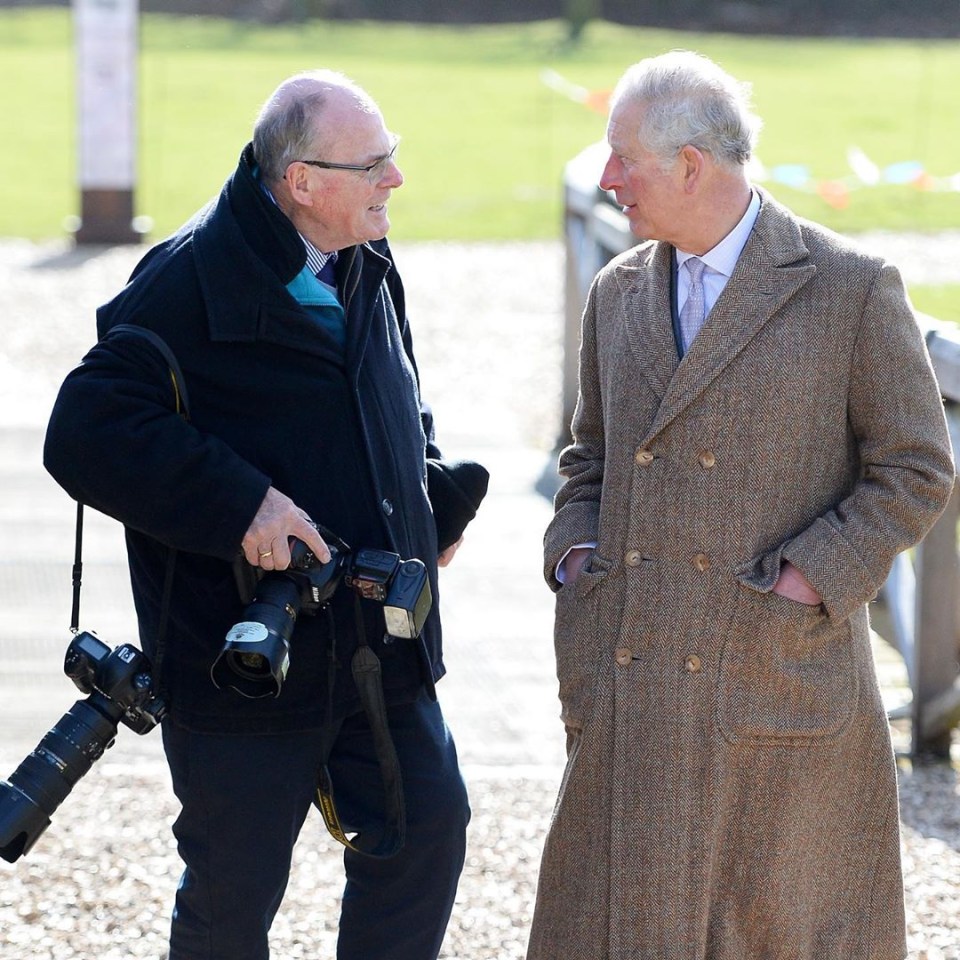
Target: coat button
{"x": 702, "y": 562}
{"x": 623, "y": 656}
{"x": 387, "y": 506}
{"x": 633, "y": 558}
{"x": 707, "y": 459}
{"x": 643, "y": 457}
{"x": 693, "y": 663}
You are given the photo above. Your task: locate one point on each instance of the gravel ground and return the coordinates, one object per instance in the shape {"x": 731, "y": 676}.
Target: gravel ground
{"x": 488, "y": 331}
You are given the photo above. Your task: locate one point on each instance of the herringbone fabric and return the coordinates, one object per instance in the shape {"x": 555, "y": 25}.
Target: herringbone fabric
{"x": 730, "y": 792}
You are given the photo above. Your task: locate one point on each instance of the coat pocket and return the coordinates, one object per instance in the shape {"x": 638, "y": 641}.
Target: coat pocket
{"x": 577, "y": 643}
{"x": 787, "y": 672}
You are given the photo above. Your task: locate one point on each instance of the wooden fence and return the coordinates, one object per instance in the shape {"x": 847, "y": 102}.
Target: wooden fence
{"x": 920, "y": 603}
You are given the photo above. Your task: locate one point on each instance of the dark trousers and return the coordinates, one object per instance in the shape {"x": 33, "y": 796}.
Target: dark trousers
{"x": 244, "y": 801}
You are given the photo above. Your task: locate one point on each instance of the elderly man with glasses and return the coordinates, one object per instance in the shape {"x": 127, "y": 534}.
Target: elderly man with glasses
{"x": 279, "y": 315}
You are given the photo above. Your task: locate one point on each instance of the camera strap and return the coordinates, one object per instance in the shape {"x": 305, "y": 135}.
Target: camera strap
{"x": 77, "y": 571}
{"x": 367, "y": 675}
{"x": 181, "y": 406}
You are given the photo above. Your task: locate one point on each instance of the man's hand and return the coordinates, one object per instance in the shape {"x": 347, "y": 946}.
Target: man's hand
{"x": 573, "y": 562}
{"x": 267, "y": 543}
{"x": 793, "y": 585}
{"x": 444, "y": 559}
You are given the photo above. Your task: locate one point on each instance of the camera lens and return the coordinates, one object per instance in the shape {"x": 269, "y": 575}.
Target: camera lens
{"x": 253, "y": 666}
{"x": 256, "y": 656}
{"x": 45, "y": 778}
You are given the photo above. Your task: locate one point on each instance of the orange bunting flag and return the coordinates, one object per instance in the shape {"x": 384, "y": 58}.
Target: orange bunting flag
{"x": 835, "y": 193}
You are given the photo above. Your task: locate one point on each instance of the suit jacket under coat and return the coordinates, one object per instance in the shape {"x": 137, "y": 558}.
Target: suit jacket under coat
{"x": 732, "y": 792}
{"x": 273, "y": 400}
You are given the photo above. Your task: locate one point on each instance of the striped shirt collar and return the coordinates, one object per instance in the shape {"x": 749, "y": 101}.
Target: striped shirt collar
{"x": 316, "y": 258}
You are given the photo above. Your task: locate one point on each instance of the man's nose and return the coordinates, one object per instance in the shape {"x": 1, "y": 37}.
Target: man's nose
{"x": 611, "y": 176}
{"x": 392, "y": 176}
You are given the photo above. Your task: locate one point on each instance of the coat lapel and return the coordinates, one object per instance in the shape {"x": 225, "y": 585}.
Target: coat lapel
{"x": 644, "y": 286}
{"x": 773, "y": 266}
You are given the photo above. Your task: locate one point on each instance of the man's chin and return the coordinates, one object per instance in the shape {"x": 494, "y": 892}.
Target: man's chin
{"x": 637, "y": 229}
{"x": 379, "y": 223}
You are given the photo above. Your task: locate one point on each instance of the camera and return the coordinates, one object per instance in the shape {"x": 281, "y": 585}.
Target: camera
{"x": 256, "y": 655}
{"x": 121, "y": 690}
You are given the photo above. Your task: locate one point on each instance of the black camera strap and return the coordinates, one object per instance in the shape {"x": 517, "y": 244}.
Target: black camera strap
{"x": 77, "y": 572}
{"x": 181, "y": 406}
{"x": 367, "y": 675}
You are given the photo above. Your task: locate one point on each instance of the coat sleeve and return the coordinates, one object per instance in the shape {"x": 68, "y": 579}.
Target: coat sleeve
{"x": 577, "y": 504}
{"x": 906, "y": 465}
{"x": 116, "y": 443}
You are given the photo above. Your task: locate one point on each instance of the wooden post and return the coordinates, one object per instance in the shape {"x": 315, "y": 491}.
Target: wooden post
{"x": 574, "y": 296}
{"x": 935, "y": 702}
{"x": 594, "y": 232}
{"x": 106, "y": 50}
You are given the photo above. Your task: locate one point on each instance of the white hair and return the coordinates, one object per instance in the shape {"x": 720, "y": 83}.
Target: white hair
{"x": 689, "y": 99}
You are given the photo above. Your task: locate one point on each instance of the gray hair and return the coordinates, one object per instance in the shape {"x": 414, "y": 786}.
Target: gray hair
{"x": 689, "y": 99}
{"x": 290, "y": 125}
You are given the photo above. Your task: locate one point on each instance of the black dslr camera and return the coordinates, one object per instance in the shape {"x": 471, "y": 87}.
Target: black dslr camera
{"x": 256, "y": 656}
{"x": 121, "y": 690}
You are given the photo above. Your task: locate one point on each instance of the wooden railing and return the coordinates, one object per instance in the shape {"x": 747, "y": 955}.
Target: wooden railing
{"x": 921, "y": 599}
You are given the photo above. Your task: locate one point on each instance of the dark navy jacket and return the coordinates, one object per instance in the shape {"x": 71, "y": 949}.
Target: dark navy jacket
{"x": 273, "y": 401}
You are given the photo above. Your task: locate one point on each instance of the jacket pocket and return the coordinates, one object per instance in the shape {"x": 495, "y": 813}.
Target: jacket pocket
{"x": 576, "y": 641}
{"x": 787, "y": 672}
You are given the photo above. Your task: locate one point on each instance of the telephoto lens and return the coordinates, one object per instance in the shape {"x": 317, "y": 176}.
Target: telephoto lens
{"x": 121, "y": 690}
{"x": 45, "y": 778}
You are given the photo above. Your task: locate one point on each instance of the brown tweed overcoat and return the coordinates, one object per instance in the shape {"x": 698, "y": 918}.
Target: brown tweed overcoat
{"x": 730, "y": 792}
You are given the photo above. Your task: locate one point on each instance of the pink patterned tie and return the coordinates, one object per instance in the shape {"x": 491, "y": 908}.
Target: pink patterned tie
{"x": 693, "y": 313}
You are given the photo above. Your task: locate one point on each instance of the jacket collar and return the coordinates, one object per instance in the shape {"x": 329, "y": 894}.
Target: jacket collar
{"x": 247, "y": 251}
{"x": 773, "y": 266}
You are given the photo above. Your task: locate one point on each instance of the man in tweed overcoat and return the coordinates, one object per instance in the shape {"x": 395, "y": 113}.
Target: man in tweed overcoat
{"x": 733, "y": 499}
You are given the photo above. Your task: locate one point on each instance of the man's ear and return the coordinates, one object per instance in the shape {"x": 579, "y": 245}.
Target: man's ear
{"x": 693, "y": 163}
{"x": 299, "y": 184}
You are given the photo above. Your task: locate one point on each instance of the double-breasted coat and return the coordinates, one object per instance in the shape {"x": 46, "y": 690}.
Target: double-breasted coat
{"x": 730, "y": 791}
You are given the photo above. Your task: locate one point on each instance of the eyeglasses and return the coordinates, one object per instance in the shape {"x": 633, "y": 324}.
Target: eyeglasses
{"x": 374, "y": 171}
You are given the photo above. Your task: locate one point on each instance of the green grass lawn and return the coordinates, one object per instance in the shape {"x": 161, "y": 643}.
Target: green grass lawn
{"x": 942, "y": 302}
{"x": 484, "y": 138}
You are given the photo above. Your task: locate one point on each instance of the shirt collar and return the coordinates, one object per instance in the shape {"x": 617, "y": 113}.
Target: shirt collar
{"x": 724, "y": 256}
{"x": 316, "y": 258}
